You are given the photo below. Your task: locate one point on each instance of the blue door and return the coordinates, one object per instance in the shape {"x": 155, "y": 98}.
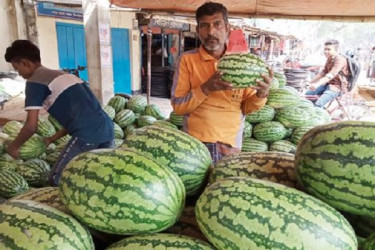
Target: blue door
{"x": 121, "y": 60}
{"x": 71, "y": 47}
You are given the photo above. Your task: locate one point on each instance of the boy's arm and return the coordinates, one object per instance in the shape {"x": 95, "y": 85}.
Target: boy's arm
{"x": 62, "y": 132}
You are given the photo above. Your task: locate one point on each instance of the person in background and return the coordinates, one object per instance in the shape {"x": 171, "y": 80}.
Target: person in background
{"x": 213, "y": 111}
{"x": 67, "y": 98}
{"x": 333, "y": 80}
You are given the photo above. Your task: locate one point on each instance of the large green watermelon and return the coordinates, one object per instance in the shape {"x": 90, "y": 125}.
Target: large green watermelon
{"x": 245, "y": 213}
{"x": 11, "y": 184}
{"x": 242, "y": 70}
{"x": 35, "y": 172}
{"x": 33, "y": 148}
{"x": 121, "y": 192}
{"x": 184, "y": 154}
{"x": 26, "y": 224}
{"x": 335, "y": 162}
{"x": 280, "y": 98}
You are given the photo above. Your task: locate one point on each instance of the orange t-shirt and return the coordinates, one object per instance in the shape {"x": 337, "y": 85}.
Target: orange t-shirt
{"x": 218, "y": 117}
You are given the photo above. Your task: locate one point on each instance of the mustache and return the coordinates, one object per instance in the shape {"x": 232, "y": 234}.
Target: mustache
{"x": 211, "y": 38}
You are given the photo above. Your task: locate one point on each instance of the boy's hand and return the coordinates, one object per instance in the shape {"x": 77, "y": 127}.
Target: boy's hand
{"x": 11, "y": 150}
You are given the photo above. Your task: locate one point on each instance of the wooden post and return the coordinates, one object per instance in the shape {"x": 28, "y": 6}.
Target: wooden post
{"x": 162, "y": 47}
{"x": 149, "y": 43}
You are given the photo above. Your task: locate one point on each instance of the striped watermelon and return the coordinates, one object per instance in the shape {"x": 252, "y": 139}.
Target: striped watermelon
{"x": 118, "y": 103}
{"x": 131, "y": 129}
{"x": 176, "y": 119}
{"x": 52, "y": 158}
{"x": 55, "y": 123}
{"x": 283, "y": 146}
{"x": 265, "y": 114}
{"x": 298, "y": 133}
{"x": 242, "y": 70}
{"x": 137, "y": 103}
{"x": 363, "y": 226}
{"x": 164, "y": 124}
{"x": 12, "y": 128}
{"x": 184, "y": 154}
{"x": 304, "y": 103}
{"x": 155, "y": 111}
{"x": 145, "y": 120}
{"x": 32, "y": 225}
{"x": 248, "y": 130}
{"x": 7, "y": 162}
{"x": 119, "y": 133}
{"x": 110, "y": 111}
{"x": 33, "y": 148}
{"x": 269, "y": 131}
{"x": 45, "y": 127}
{"x": 323, "y": 113}
{"x": 275, "y": 83}
{"x": 272, "y": 166}
{"x": 293, "y": 117}
{"x": 245, "y": 213}
{"x": 12, "y": 184}
{"x": 125, "y": 118}
{"x": 159, "y": 241}
{"x": 121, "y": 192}
{"x": 369, "y": 243}
{"x": 118, "y": 142}
{"x": 252, "y": 145}
{"x": 46, "y": 195}
{"x": 280, "y": 98}
{"x": 62, "y": 141}
{"x": 281, "y": 78}
{"x": 35, "y": 172}
{"x": 335, "y": 162}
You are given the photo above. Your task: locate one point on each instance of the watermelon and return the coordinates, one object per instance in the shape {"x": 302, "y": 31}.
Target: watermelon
{"x": 335, "y": 163}
{"x": 137, "y": 103}
{"x": 289, "y": 132}
{"x": 12, "y": 128}
{"x": 265, "y": 114}
{"x": 62, "y": 141}
{"x": 363, "y": 226}
{"x": 45, "y": 127}
{"x": 245, "y": 213}
{"x": 118, "y": 103}
{"x": 272, "y": 166}
{"x": 281, "y": 78}
{"x": 32, "y": 225}
{"x": 165, "y": 124}
{"x": 119, "y": 133}
{"x": 248, "y": 130}
{"x": 110, "y": 111}
{"x": 11, "y": 184}
{"x": 52, "y": 158}
{"x": 323, "y": 113}
{"x": 145, "y": 120}
{"x": 242, "y": 70}
{"x": 55, "y": 123}
{"x": 118, "y": 142}
{"x": 125, "y": 118}
{"x": 121, "y": 192}
{"x": 131, "y": 129}
{"x": 369, "y": 243}
{"x": 298, "y": 133}
{"x": 32, "y": 148}
{"x": 269, "y": 131}
{"x": 304, "y": 103}
{"x": 275, "y": 83}
{"x": 46, "y": 195}
{"x": 280, "y": 98}
{"x": 283, "y": 146}
{"x": 293, "y": 117}
{"x": 155, "y": 111}
{"x": 7, "y": 162}
{"x": 252, "y": 145}
{"x": 176, "y": 119}
{"x": 35, "y": 172}
{"x": 184, "y": 154}
{"x": 159, "y": 241}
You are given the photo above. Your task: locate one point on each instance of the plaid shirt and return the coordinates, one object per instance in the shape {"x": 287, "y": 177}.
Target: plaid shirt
{"x": 336, "y": 68}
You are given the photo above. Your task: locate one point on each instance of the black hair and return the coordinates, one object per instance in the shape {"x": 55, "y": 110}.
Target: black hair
{"x": 22, "y": 49}
{"x": 211, "y": 8}
{"x": 332, "y": 42}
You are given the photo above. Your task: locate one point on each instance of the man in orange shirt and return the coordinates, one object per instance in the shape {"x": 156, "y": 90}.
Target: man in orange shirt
{"x": 213, "y": 111}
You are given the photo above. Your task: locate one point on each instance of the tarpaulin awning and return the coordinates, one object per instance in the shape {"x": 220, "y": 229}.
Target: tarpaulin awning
{"x": 361, "y": 10}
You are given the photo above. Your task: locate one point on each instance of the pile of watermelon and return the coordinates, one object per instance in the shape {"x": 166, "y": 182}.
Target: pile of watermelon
{"x": 281, "y": 123}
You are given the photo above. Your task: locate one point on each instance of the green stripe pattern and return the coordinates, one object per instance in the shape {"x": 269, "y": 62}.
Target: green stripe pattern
{"x": 283, "y": 146}
{"x": 265, "y": 114}
{"x": 293, "y": 117}
{"x": 45, "y": 127}
{"x": 335, "y": 162}
{"x": 35, "y": 172}
{"x": 137, "y": 103}
{"x": 184, "y": 154}
{"x": 176, "y": 119}
{"x": 160, "y": 241}
{"x": 110, "y": 111}
{"x": 12, "y": 128}
{"x": 242, "y": 69}
{"x": 11, "y": 183}
{"x": 46, "y": 195}
{"x": 298, "y": 133}
{"x": 269, "y": 131}
{"x": 118, "y": 103}
{"x": 32, "y": 148}
{"x": 280, "y": 98}
{"x": 119, "y": 133}
{"x": 125, "y": 118}
{"x": 155, "y": 111}
{"x": 252, "y": 145}
{"x": 164, "y": 124}
{"x": 121, "y": 192}
{"x": 245, "y": 213}
{"x": 33, "y": 225}
{"x": 272, "y": 166}
{"x": 145, "y": 120}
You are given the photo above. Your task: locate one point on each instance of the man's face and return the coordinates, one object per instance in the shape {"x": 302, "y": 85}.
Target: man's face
{"x": 213, "y": 31}
{"x": 23, "y": 67}
{"x": 329, "y": 50}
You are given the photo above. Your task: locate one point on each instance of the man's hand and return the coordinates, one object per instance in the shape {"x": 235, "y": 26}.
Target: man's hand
{"x": 12, "y": 150}
{"x": 313, "y": 86}
{"x": 264, "y": 86}
{"x": 47, "y": 141}
{"x": 214, "y": 83}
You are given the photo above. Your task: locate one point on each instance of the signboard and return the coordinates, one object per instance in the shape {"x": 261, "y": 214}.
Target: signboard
{"x": 59, "y": 11}
{"x": 104, "y": 31}
{"x": 170, "y": 24}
